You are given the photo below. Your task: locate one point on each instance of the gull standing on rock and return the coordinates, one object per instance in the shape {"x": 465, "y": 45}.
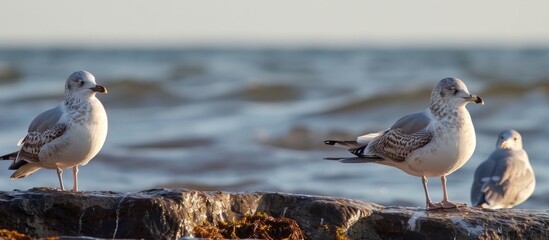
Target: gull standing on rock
{"x": 65, "y": 136}
{"x": 506, "y": 178}
{"x": 431, "y": 143}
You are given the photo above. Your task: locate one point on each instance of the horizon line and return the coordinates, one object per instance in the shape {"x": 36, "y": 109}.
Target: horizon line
{"x": 246, "y": 44}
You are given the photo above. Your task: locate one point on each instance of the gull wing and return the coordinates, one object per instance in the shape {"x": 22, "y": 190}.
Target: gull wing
{"x": 413, "y": 123}
{"x": 46, "y": 120}
{"x": 408, "y": 134}
{"x": 42, "y": 130}
{"x": 483, "y": 173}
{"x": 507, "y": 179}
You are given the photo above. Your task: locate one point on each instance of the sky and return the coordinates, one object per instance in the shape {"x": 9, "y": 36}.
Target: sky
{"x": 276, "y": 22}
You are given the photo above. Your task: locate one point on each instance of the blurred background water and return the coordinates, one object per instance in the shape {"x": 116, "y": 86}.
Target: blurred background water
{"x": 254, "y": 119}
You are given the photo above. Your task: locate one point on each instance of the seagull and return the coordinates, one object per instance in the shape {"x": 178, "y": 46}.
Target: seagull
{"x": 66, "y": 136}
{"x": 506, "y": 178}
{"x": 431, "y": 143}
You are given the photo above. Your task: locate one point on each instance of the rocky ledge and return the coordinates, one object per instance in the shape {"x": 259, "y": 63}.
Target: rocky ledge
{"x": 176, "y": 213}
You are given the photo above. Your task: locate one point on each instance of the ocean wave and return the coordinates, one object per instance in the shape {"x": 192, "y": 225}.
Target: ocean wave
{"x": 173, "y": 143}
{"x": 417, "y": 95}
{"x": 303, "y": 138}
{"x": 9, "y": 74}
{"x": 262, "y": 92}
{"x": 182, "y": 72}
{"x": 129, "y": 93}
{"x": 515, "y": 88}
{"x": 37, "y": 98}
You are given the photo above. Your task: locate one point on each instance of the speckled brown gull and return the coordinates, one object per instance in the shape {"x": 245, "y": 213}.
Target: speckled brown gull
{"x": 506, "y": 178}
{"x": 66, "y": 136}
{"x": 431, "y": 143}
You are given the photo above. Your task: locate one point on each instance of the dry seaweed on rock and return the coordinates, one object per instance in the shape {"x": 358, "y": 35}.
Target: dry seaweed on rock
{"x": 259, "y": 225}
{"x": 12, "y": 235}
{"x": 6, "y": 234}
{"x": 339, "y": 231}
{"x": 340, "y": 234}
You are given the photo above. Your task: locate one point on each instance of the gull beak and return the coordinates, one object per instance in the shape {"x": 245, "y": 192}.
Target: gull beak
{"x": 99, "y": 88}
{"x": 504, "y": 145}
{"x": 474, "y": 98}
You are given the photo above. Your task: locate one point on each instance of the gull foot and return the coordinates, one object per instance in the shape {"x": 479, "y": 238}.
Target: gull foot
{"x": 448, "y": 204}
{"x": 433, "y": 206}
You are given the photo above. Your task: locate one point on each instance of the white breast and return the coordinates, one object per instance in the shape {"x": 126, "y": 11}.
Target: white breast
{"x": 448, "y": 151}
{"x": 80, "y": 143}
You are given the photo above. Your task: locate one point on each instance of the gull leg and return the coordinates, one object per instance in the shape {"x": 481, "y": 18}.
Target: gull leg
{"x": 75, "y": 178}
{"x": 59, "y": 173}
{"x": 429, "y": 204}
{"x": 445, "y": 202}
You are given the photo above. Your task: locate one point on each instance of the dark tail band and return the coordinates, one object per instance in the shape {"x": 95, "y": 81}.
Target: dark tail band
{"x": 10, "y": 156}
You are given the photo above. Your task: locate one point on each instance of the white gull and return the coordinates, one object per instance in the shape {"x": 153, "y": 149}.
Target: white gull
{"x": 506, "y": 178}
{"x": 66, "y": 136}
{"x": 431, "y": 143}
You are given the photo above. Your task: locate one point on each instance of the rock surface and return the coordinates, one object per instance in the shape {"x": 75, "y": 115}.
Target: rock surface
{"x": 173, "y": 213}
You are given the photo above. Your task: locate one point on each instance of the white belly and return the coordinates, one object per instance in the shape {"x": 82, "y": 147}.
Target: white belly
{"x": 77, "y": 146}
{"x": 443, "y": 156}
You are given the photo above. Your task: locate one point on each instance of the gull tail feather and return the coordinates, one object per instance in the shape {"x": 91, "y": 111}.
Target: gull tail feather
{"x": 10, "y": 156}
{"x": 25, "y": 171}
{"x": 333, "y": 158}
{"x": 21, "y": 141}
{"x": 367, "y": 138}
{"x": 17, "y": 164}
{"x": 354, "y": 159}
{"x": 343, "y": 144}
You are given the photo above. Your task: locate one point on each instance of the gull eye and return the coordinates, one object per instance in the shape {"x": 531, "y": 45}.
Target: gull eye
{"x": 515, "y": 139}
{"x": 453, "y": 90}
{"x": 80, "y": 82}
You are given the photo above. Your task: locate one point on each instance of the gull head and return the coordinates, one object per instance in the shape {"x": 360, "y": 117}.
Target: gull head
{"x": 453, "y": 91}
{"x": 509, "y": 139}
{"x": 82, "y": 84}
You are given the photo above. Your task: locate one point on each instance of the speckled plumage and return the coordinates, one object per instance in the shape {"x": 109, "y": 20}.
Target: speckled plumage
{"x": 68, "y": 135}
{"x": 78, "y": 110}
{"x": 34, "y": 141}
{"x": 431, "y": 143}
{"x": 394, "y": 145}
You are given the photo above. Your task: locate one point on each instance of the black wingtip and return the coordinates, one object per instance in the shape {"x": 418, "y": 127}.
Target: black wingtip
{"x": 17, "y": 164}
{"x": 330, "y": 142}
{"x": 9, "y": 156}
